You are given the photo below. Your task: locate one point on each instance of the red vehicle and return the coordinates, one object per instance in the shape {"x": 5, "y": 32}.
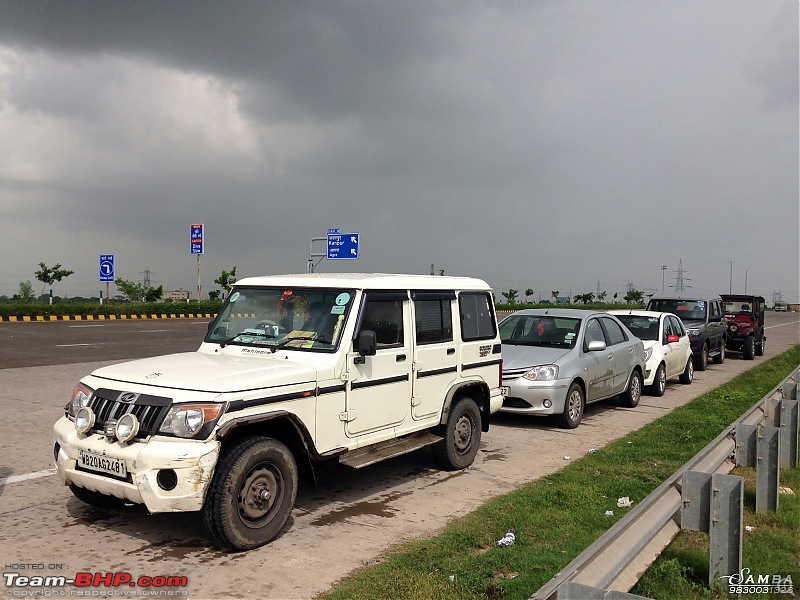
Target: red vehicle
{"x": 745, "y": 317}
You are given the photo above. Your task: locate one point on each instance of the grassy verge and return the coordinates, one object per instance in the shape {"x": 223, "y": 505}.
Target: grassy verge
{"x": 18, "y": 309}
{"x": 558, "y": 516}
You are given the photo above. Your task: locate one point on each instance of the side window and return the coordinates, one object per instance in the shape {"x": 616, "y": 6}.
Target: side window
{"x": 477, "y": 322}
{"x": 677, "y": 327}
{"x": 385, "y": 318}
{"x": 434, "y": 321}
{"x": 715, "y": 309}
{"x": 614, "y": 331}
{"x": 594, "y": 333}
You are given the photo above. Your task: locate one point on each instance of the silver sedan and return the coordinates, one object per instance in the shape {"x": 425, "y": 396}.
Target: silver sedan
{"x": 555, "y": 361}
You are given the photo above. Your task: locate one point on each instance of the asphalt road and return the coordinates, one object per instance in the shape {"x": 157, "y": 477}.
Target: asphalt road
{"x": 344, "y": 523}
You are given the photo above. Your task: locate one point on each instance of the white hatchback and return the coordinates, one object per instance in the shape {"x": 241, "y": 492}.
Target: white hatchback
{"x": 667, "y": 350}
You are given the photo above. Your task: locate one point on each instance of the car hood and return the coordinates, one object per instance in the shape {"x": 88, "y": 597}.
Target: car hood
{"x": 519, "y": 357}
{"x": 218, "y": 373}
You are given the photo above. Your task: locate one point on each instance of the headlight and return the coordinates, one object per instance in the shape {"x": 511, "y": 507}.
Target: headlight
{"x": 648, "y": 352}
{"x": 185, "y": 420}
{"x": 733, "y": 328}
{"x": 84, "y": 419}
{"x": 127, "y": 427}
{"x": 693, "y": 332}
{"x": 542, "y": 373}
{"x": 80, "y": 398}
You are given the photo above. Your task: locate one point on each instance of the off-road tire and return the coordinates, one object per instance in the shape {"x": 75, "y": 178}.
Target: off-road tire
{"x": 748, "y": 348}
{"x": 574, "y": 406}
{"x": 96, "y": 498}
{"x": 760, "y": 346}
{"x": 633, "y": 393}
{"x": 659, "y": 385}
{"x": 462, "y": 436}
{"x": 252, "y": 494}
{"x": 688, "y": 372}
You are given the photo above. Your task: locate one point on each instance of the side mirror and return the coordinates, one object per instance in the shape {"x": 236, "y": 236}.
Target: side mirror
{"x": 366, "y": 345}
{"x": 672, "y": 339}
{"x": 596, "y": 346}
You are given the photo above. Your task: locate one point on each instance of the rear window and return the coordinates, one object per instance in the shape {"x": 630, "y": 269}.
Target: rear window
{"x": 477, "y": 319}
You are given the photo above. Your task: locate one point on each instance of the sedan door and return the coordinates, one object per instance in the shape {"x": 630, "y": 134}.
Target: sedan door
{"x": 678, "y": 351}
{"x": 624, "y": 353}
{"x": 599, "y": 363}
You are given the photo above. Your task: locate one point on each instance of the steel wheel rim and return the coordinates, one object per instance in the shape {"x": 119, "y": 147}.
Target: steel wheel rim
{"x": 258, "y": 495}
{"x": 635, "y": 391}
{"x": 662, "y": 381}
{"x": 462, "y": 434}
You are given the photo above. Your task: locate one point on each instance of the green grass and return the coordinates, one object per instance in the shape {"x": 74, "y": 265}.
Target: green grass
{"x": 558, "y": 516}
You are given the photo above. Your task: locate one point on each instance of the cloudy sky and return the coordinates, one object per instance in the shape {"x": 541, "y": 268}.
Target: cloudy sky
{"x": 540, "y": 144}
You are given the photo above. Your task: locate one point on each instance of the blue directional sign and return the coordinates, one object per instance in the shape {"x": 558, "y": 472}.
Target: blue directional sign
{"x": 197, "y": 238}
{"x": 106, "y": 267}
{"x": 342, "y": 245}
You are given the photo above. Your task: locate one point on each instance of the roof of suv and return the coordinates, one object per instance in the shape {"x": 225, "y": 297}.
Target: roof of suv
{"x": 689, "y": 298}
{"x": 368, "y": 281}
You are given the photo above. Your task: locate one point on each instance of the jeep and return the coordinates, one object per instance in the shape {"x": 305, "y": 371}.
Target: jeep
{"x": 293, "y": 371}
{"x": 704, "y": 318}
{"x": 745, "y": 317}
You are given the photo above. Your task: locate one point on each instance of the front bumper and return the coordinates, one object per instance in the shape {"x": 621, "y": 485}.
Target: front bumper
{"x": 192, "y": 461}
{"x": 531, "y": 397}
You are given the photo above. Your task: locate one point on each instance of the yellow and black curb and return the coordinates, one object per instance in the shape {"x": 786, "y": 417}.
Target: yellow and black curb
{"x": 133, "y": 317}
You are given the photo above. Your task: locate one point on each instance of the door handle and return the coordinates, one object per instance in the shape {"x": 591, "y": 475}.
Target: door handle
{"x": 451, "y": 351}
{"x": 400, "y": 358}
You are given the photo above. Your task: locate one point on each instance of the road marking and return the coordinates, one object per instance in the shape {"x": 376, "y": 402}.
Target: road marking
{"x": 85, "y": 326}
{"x": 71, "y": 345}
{"x": 153, "y": 330}
{"x": 28, "y": 476}
{"x": 782, "y": 324}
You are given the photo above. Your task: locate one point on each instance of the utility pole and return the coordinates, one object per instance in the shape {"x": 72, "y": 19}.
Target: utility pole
{"x": 663, "y": 269}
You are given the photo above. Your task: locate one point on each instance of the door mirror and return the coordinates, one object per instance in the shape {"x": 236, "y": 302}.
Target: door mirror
{"x": 596, "y": 346}
{"x": 671, "y": 339}
{"x": 366, "y": 345}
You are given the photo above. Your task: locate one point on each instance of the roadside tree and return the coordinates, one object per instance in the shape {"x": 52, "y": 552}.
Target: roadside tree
{"x": 50, "y": 275}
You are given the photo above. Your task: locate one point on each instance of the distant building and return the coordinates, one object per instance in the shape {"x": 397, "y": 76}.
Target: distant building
{"x": 180, "y": 295}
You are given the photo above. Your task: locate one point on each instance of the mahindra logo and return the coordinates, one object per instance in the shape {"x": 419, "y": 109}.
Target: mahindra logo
{"x": 127, "y": 397}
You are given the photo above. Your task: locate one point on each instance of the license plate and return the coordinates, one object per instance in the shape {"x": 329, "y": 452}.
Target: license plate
{"x": 505, "y": 389}
{"x": 102, "y": 464}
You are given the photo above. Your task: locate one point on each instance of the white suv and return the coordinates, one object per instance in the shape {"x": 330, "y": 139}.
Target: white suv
{"x": 294, "y": 370}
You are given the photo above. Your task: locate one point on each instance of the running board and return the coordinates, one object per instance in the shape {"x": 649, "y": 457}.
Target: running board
{"x": 364, "y": 457}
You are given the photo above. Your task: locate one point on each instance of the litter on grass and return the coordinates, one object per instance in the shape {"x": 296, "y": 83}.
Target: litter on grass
{"x": 624, "y": 502}
{"x": 609, "y": 513}
{"x": 508, "y": 539}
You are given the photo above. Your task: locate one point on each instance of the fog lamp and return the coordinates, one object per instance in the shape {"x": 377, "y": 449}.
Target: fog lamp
{"x": 84, "y": 419}
{"x": 127, "y": 427}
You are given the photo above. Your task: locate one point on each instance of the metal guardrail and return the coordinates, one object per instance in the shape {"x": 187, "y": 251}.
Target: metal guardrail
{"x": 618, "y": 558}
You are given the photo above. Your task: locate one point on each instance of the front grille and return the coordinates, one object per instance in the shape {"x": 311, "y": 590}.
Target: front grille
{"x": 149, "y": 410}
{"x": 512, "y": 374}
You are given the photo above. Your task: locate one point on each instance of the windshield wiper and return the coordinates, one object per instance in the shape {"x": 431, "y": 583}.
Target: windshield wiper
{"x": 250, "y": 332}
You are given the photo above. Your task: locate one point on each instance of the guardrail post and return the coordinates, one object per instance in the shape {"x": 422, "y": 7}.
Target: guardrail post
{"x": 789, "y": 391}
{"x": 577, "y": 591}
{"x": 713, "y": 503}
{"x": 746, "y": 439}
{"x": 790, "y": 423}
{"x": 767, "y": 472}
{"x": 727, "y": 519}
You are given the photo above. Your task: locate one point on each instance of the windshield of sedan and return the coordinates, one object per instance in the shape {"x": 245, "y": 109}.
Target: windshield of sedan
{"x": 540, "y": 330}
{"x": 687, "y": 310}
{"x": 645, "y": 328}
{"x": 282, "y": 318}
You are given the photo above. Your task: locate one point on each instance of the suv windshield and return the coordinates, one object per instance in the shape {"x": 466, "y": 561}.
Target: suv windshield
{"x": 687, "y": 310}
{"x": 738, "y": 308}
{"x": 539, "y": 330}
{"x": 285, "y": 318}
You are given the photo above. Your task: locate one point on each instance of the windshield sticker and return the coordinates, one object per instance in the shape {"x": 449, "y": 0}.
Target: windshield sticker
{"x": 234, "y": 296}
{"x": 337, "y": 310}
{"x": 342, "y": 299}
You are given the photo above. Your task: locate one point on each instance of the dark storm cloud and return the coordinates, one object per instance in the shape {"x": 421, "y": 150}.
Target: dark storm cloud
{"x": 529, "y": 143}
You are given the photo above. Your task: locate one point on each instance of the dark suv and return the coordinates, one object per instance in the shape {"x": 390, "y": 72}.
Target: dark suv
{"x": 704, "y": 318}
{"x": 745, "y": 316}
